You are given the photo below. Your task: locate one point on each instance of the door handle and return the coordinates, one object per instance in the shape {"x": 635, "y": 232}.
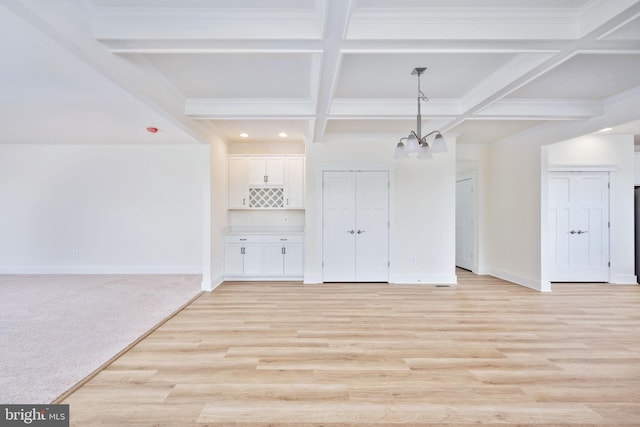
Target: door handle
{"x": 351, "y": 231}
{"x": 573, "y": 232}
{"x": 360, "y": 231}
{"x": 581, "y": 232}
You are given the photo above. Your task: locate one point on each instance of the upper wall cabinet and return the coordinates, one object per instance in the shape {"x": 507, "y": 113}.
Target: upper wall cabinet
{"x": 266, "y": 171}
{"x": 257, "y": 182}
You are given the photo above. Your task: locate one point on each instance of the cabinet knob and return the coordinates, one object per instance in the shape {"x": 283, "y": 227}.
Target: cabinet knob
{"x": 351, "y": 231}
{"x": 360, "y": 231}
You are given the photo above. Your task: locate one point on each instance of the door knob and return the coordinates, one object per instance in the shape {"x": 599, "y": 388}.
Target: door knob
{"x": 360, "y": 231}
{"x": 351, "y": 231}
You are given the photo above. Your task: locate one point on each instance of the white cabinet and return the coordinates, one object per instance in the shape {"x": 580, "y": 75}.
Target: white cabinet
{"x": 266, "y": 182}
{"x": 263, "y": 257}
{"x": 294, "y": 188}
{"x": 242, "y": 256}
{"x": 266, "y": 171}
{"x": 238, "y": 188}
{"x": 283, "y": 255}
{"x": 293, "y": 261}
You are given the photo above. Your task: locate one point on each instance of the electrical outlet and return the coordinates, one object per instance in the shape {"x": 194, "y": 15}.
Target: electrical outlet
{"x": 414, "y": 258}
{"x": 75, "y": 253}
{"x": 286, "y": 219}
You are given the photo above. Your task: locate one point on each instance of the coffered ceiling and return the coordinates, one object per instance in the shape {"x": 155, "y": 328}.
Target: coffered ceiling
{"x": 322, "y": 70}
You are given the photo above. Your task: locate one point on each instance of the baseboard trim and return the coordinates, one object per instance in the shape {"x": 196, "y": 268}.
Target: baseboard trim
{"x": 210, "y": 285}
{"x": 624, "y": 279}
{"x": 483, "y": 271}
{"x": 312, "y": 279}
{"x": 263, "y": 278}
{"x": 527, "y": 282}
{"x": 421, "y": 279}
{"x": 100, "y": 270}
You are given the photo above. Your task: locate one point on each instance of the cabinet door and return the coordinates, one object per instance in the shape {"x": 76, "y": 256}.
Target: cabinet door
{"x": 233, "y": 265}
{"x": 238, "y": 190}
{"x": 294, "y": 188}
{"x": 293, "y": 259}
{"x": 252, "y": 259}
{"x": 273, "y": 259}
{"x": 274, "y": 170}
{"x": 256, "y": 171}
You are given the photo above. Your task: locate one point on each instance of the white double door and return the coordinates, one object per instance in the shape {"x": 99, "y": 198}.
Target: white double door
{"x": 579, "y": 226}
{"x": 355, "y": 226}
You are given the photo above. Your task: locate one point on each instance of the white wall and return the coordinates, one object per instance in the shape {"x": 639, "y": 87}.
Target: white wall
{"x": 617, "y": 152}
{"x": 512, "y": 210}
{"x": 423, "y": 219}
{"x": 216, "y": 220}
{"x": 101, "y": 209}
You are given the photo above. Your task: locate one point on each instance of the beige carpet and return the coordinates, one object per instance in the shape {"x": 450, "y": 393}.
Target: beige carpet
{"x": 55, "y": 330}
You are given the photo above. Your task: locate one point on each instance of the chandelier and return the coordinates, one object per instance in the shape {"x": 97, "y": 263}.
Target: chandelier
{"x": 415, "y": 142}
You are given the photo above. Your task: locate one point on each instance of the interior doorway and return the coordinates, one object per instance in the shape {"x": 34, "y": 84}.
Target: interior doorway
{"x": 465, "y": 223}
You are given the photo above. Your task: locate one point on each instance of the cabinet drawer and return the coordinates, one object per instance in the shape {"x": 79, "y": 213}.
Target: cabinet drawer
{"x": 284, "y": 238}
{"x": 242, "y": 239}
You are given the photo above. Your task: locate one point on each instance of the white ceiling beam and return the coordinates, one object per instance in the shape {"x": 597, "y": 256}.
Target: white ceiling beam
{"x": 203, "y": 46}
{"x": 511, "y": 72}
{"x": 549, "y": 109}
{"x": 396, "y": 108}
{"x": 337, "y": 17}
{"x": 165, "y": 46}
{"x": 205, "y": 108}
{"x": 600, "y": 12}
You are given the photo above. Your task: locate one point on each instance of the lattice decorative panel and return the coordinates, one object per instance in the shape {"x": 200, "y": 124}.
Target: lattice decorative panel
{"x": 266, "y": 197}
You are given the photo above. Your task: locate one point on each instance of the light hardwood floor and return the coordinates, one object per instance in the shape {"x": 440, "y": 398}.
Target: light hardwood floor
{"x": 287, "y": 354}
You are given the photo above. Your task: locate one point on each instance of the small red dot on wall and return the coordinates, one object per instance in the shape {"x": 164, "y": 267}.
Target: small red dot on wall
{"x": 152, "y": 130}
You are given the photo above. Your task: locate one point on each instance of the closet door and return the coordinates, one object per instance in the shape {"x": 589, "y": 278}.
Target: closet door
{"x": 372, "y": 227}
{"x": 339, "y": 227}
{"x": 579, "y": 226}
{"x": 356, "y": 227}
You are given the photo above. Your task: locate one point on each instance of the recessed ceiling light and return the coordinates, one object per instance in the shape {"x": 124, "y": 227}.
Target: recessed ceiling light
{"x": 244, "y": 135}
{"x": 605, "y": 130}
{"x": 283, "y": 135}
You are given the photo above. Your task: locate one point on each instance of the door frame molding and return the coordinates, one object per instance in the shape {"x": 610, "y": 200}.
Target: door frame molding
{"x": 544, "y": 204}
{"x": 355, "y": 167}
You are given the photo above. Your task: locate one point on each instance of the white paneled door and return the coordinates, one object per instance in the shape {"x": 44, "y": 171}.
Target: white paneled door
{"x": 465, "y": 228}
{"x": 355, "y": 226}
{"x": 579, "y": 226}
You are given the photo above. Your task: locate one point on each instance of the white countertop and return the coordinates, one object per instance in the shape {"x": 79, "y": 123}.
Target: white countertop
{"x": 264, "y": 230}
